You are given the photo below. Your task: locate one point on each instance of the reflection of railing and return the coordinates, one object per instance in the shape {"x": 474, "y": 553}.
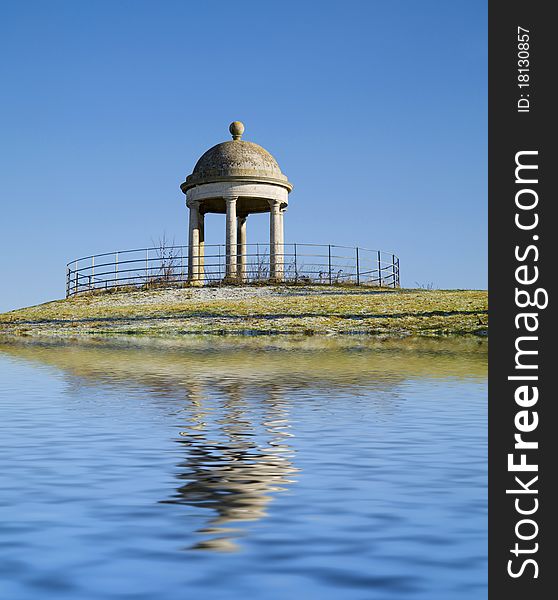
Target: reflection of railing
{"x": 299, "y": 263}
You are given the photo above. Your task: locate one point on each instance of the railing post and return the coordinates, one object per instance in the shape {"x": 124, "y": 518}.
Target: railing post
{"x": 379, "y": 268}
{"x": 398, "y": 274}
{"x": 75, "y": 278}
{"x": 329, "y": 261}
{"x": 295, "y": 265}
{"x": 92, "y": 276}
{"x": 220, "y": 274}
{"x": 68, "y": 274}
{"x": 147, "y": 265}
{"x": 357, "y": 267}
{"x": 393, "y": 269}
{"x": 116, "y": 270}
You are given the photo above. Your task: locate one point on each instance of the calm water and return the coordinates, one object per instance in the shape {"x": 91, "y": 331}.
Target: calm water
{"x": 237, "y": 470}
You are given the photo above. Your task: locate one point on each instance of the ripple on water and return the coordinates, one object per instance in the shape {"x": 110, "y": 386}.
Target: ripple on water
{"x": 243, "y": 472}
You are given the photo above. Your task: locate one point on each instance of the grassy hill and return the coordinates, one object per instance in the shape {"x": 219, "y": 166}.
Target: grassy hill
{"x": 258, "y": 310}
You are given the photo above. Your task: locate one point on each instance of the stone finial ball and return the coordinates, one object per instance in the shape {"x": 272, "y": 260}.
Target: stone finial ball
{"x": 237, "y": 129}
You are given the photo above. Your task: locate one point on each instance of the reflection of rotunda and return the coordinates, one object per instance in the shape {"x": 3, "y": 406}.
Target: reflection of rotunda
{"x": 236, "y": 178}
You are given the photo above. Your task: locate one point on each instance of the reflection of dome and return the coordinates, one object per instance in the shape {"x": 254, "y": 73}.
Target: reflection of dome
{"x": 236, "y": 160}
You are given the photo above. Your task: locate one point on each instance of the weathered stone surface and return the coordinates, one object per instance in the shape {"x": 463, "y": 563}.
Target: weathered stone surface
{"x": 236, "y": 159}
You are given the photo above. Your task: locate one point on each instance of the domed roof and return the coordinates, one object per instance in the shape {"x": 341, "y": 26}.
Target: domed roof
{"x": 236, "y": 160}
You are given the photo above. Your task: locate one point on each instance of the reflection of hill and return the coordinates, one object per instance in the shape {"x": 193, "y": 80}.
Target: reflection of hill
{"x": 320, "y": 362}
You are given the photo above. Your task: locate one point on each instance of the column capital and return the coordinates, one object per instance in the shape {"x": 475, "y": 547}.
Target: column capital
{"x": 274, "y": 205}
{"x": 230, "y": 199}
{"x": 195, "y": 204}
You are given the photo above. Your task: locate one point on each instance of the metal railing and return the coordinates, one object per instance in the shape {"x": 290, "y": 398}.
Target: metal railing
{"x": 168, "y": 265}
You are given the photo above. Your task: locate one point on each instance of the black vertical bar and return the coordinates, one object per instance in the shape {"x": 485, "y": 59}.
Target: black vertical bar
{"x": 522, "y": 162}
{"x": 357, "y": 267}
{"x": 295, "y": 264}
{"x": 379, "y": 268}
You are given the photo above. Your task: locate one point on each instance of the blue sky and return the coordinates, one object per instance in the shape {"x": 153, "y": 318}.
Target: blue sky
{"x": 375, "y": 110}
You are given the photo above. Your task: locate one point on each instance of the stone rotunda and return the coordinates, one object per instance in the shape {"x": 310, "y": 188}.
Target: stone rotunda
{"x": 236, "y": 178}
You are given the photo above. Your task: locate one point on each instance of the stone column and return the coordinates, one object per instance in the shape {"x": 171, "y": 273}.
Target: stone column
{"x": 275, "y": 241}
{"x": 231, "y": 272}
{"x": 194, "y": 242}
{"x": 201, "y": 251}
{"x": 242, "y": 250}
{"x": 281, "y": 261}
{"x": 282, "y": 234}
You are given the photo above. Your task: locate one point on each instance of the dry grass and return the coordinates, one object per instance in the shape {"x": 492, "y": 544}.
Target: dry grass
{"x": 276, "y": 310}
